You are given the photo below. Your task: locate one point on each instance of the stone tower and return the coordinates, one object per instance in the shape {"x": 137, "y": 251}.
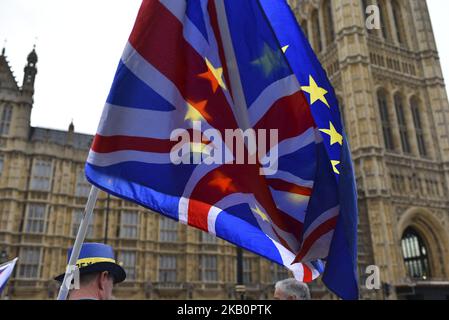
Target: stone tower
{"x": 30, "y": 72}
{"x": 16, "y": 102}
{"x": 391, "y": 90}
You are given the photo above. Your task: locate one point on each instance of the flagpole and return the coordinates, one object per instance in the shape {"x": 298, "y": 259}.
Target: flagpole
{"x": 81, "y": 235}
{"x": 240, "y": 289}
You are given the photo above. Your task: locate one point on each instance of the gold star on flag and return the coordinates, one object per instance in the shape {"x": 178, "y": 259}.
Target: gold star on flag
{"x": 333, "y": 134}
{"x": 334, "y": 166}
{"x": 296, "y": 198}
{"x": 214, "y": 75}
{"x": 196, "y": 147}
{"x": 260, "y": 213}
{"x": 196, "y": 111}
{"x": 316, "y": 93}
{"x": 285, "y": 48}
{"x": 270, "y": 60}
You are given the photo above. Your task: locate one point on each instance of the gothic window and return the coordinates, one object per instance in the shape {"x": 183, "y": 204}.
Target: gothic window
{"x": 168, "y": 230}
{"x": 365, "y": 5}
{"x": 5, "y": 120}
{"x": 398, "y": 21}
{"x": 167, "y": 269}
{"x": 304, "y": 28}
{"x": 41, "y": 175}
{"x": 342, "y": 111}
{"x": 128, "y": 260}
{"x": 418, "y": 127}
{"x": 278, "y": 272}
{"x": 77, "y": 216}
{"x": 1, "y": 165}
{"x": 208, "y": 238}
{"x": 82, "y": 185}
{"x": 402, "y": 123}
{"x": 385, "y": 120}
{"x": 35, "y": 221}
{"x": 247, "y": 270}
{"x": 384, "y": 24}
{"x": 329, "y": 20}
{"x": 29, "y": 263}
{"x": 415, "y": 255}
{"x": 316, "y": 32}
{"x": 208, "y": 268}
{"x": 129, "y": 224}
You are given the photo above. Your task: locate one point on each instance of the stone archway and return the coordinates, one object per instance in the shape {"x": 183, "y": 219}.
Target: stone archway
{"x": 434, "y": 235}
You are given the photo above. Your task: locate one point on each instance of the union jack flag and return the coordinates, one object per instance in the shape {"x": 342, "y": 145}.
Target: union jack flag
{"x": 231, "y": 64}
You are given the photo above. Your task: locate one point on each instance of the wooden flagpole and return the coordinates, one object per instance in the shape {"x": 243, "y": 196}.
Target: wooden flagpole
{"x": 81, "y": 235}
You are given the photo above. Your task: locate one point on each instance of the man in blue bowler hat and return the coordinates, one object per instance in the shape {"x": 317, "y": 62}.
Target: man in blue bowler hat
{"x": 98, "y": 272}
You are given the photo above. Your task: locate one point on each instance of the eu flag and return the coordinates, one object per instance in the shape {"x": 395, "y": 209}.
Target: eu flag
{"x": 207, "y": 67}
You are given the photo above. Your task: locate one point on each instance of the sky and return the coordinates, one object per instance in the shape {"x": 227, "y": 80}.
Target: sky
{"x": 79, "y": 44}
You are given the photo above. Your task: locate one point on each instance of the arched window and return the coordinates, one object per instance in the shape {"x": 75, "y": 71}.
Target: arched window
{"x": 342, "y": 111}
{"x": 398, "y": 21}
{"x": 328, "y": 18}
{"x": 5, "y": 120}
{"x": 414, "y": 105}
{"x": 415, "y": 255}
{"x": 402, "y": 123}
{"x": 304, "y": 28}
{"x": 316, "y": 32}
{"x": 365, "y": 4}
{"x": 385, "y": 119}
{"x": 384, "y": 24}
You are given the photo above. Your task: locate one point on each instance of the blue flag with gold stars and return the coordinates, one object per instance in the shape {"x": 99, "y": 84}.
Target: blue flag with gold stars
{"x": 340, "y": 274}
{"x": 202, "y": 68}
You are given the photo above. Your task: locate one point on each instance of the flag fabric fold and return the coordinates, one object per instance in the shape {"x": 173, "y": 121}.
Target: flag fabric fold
{"x": 341, "y": 274}
{"x": 6, "y": 270}
{"x": 201, "y": 68}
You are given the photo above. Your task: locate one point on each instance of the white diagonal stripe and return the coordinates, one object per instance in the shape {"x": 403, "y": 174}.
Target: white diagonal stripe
{"x": 111, "y": 158}
{"x": 117, "y": 120}
{"x": 277, "y": 90}
{"x": 321, "y": 219}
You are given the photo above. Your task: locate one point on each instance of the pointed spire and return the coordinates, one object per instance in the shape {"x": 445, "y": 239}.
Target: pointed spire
{"x": 32, "y": 57}
{"x": 4, "y": 48}
{"x": 30, "y": 72}
{"x": 71, "y": 126}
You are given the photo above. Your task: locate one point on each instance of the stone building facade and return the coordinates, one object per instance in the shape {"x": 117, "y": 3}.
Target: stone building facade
{"x": 395, "y": 108}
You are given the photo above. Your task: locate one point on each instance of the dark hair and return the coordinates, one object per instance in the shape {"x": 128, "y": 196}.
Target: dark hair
{"x": 88, "y": 278}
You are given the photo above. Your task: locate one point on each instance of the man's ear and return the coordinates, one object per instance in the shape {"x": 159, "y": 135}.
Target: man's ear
{"x": 102, "y": 279}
